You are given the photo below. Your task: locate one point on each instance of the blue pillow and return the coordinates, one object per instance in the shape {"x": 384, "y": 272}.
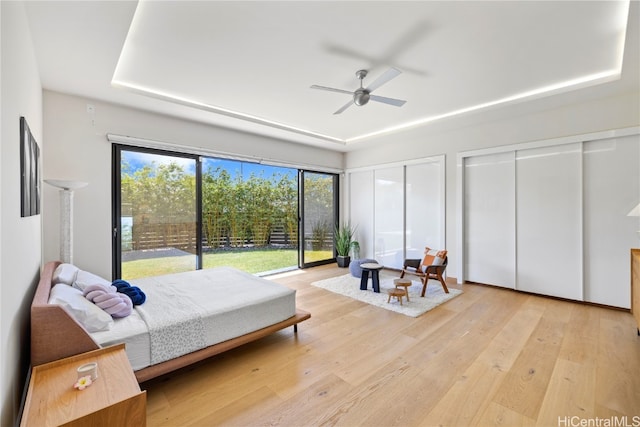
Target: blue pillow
{"x": 135, "y": 293}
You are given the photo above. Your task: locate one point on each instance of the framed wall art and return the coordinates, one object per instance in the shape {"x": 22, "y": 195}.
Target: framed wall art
{"x": 30, "y": 182}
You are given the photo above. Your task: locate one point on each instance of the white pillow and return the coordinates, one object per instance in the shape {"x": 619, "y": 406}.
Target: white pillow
{"x": 89, "y": 315}
{"x": 84, "y": 279}
{"x": 65, "y": 273}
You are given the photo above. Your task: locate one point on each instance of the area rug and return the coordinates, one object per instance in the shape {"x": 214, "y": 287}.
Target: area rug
{"x": 349, "y": 286}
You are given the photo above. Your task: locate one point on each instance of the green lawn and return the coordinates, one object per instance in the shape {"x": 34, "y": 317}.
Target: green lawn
{"x": 251, "y": 261}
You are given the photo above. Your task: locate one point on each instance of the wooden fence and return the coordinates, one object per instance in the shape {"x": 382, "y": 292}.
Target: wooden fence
{"x": 183, "y": 236}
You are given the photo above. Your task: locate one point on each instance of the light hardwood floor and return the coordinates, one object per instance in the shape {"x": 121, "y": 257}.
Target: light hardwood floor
{"x": 488, "y": 357}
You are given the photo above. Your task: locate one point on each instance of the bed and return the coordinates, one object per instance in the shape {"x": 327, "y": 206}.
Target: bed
{"x": 211, "y": 311}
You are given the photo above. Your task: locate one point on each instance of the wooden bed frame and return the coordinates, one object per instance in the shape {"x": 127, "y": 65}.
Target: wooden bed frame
{"x": 55, "y": 334}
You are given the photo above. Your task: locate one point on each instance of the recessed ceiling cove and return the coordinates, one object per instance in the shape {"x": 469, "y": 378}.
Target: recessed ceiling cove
{"x": 256, "y": 61}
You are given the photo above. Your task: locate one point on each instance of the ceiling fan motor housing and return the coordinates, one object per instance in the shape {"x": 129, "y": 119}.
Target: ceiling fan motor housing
{"x": 361, "y": 97}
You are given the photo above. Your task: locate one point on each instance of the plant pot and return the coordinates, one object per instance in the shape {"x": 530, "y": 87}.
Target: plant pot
{"x": 343, "y": 261}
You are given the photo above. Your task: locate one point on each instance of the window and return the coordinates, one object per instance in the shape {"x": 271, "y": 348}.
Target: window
{"x": 178, "y": 212}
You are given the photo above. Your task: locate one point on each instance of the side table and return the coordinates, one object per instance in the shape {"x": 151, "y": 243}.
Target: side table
{"x": 374, "y": 268}
{"x": 114, "y": 399}
{"x": 405, "y": 283}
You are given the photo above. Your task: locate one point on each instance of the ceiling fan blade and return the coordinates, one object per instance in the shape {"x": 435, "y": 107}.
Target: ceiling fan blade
{"x": 344, "y": 107}
{"x": 390, "y": 101}
{"x": 388, "y": 75}
{"x": 331, "y": 89}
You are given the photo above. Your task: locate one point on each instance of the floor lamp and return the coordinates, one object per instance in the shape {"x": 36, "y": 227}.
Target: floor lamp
{"x": 635, "y": 212}
{"x": 66, "y": 215}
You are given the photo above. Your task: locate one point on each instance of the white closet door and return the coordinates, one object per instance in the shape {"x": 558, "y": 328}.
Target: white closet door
{"x": 612, "y": 190}
{"x": 489, "y": 219}
{"x": 361, "y": 210}
{"x": 424, "y": 189}
{"x": 389, "y": 216}
{"x": 549, "y": 220}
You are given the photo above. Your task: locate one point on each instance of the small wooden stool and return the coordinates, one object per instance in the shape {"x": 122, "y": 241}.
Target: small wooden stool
{"x": 397, "y": 293}
{"x": 405, "y": 283}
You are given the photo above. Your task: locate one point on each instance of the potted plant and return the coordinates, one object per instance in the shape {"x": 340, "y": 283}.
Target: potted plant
{"x": 344, "y": 243}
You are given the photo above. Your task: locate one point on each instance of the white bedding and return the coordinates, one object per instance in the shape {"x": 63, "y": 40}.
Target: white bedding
{"x": 232, "y": 303}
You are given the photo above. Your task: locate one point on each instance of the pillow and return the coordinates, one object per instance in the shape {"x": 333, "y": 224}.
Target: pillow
{"x": 89, "y": 315}
{"x": 65, "y": 273}
{"x": 135, "y": 293}
{"x": 433, "y": 257}
{"x": 112, "y": 302}
{"x": 84, "y": 279}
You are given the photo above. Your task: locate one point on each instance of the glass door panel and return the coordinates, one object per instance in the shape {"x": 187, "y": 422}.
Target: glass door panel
{"x": 318, "y": 217}
{"x": 157, "y": 231}
{"x": 249, "y": 216}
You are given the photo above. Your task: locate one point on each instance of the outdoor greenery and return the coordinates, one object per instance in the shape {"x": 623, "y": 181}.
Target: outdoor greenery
{"x": 253, "y": 261}
{"x": 158, "y": 191}
{"x": 320, "y": 233}
{"x": 237, "y": 212}
{"x": 318, "y": 211}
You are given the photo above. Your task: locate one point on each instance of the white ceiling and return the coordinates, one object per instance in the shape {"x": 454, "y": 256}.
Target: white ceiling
{"x": 250, "y": 65}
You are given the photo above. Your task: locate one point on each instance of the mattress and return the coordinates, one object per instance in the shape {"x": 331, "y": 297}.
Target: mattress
{"x": 229, "y": 302}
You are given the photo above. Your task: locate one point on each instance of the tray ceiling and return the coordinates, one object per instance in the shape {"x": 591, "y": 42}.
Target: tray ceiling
{"x": 250, "y": 65}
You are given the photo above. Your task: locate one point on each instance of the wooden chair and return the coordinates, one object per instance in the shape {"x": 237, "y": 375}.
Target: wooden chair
{"x": 426, "y": 272}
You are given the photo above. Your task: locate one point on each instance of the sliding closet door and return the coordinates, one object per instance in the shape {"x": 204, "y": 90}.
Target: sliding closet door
{"x": 489, "y": 219}
{"x": 424, "y": 207}
{"x": 389, "y": 217}
{"x": 361, "y": 210}
{"x": 612, "y": 190}
{"x": 549, "y": 224}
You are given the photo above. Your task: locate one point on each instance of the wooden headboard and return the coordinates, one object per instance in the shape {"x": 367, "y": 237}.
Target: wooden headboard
{"x": 55, "y": 334}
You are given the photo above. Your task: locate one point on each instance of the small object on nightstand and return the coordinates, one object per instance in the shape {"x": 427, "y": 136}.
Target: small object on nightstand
{"x": 83, "y": 382}
{"x": 88, "y": 370}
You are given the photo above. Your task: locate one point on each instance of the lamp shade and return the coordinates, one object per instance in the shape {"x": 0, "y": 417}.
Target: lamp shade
{"x": 66, "y": 185}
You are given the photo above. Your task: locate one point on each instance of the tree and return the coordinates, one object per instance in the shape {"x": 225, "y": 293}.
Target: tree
{"x": 216, "y": 191}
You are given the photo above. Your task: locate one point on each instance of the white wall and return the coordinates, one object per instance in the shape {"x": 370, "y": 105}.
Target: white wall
{"x": 487, "y": 130}
{"x": 79, "y": 150}
{"x": 20, "y": 247}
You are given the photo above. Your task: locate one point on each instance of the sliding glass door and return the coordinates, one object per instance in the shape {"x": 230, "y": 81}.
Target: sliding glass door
{"x": 156, "y": 213}
{"x": 175, "y": 212}
{"x": 319, "y": 195}
{"x": 250, "y": 216}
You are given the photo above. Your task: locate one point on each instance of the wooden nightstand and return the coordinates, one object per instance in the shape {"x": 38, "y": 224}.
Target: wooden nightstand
{"x": 114, "y": 399}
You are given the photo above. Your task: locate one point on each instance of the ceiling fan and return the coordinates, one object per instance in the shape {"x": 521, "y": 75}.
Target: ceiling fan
{"x": 362, "y": 95}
